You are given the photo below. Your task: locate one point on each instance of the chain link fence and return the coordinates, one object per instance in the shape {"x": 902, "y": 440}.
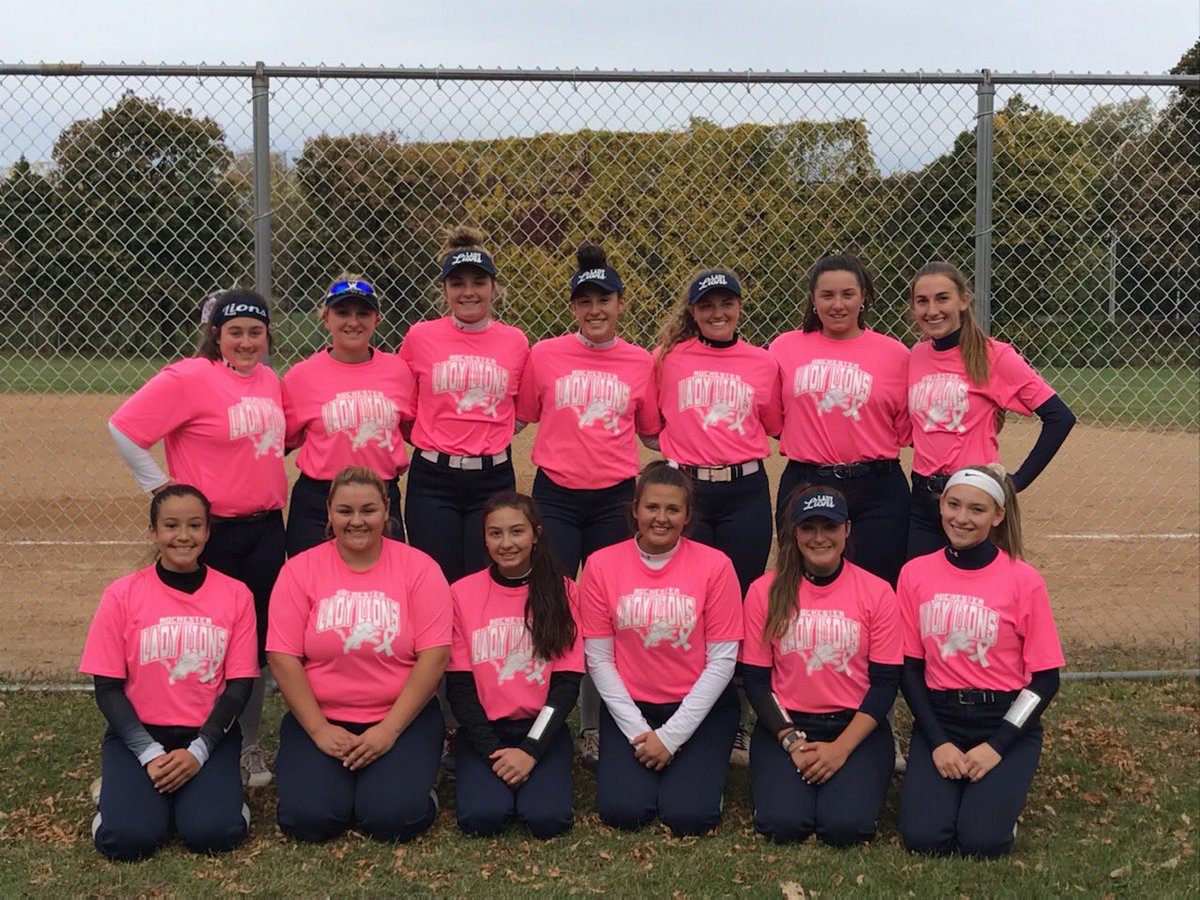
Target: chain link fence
{"x": 129, "y": 193}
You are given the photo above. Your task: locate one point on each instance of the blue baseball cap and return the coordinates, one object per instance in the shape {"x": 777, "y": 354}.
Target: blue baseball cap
{"x": 713, "y": 281}
{"x": 819, "y": 504}
{"x": 352, "y": 290}
{"x": 477, "y": 258}
{"x": 603, "y": 277}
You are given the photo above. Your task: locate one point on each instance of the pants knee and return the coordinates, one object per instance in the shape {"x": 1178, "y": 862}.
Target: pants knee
{"x": 212, "y": 837}
{"x": 924, "y": 837}
{"x": 310, "y": 826}
{"x": 549, "y": 824}
{"x": 846, "y": 833}
{"x": 128, "y": 846}
{"x": 779, "y": 829}
{"x": 625, "y": 817}
{"x": 482, "y": 822}
{"x": 398, "y": 823}
{"x": 685, "y": 823}
{"x": 984, "y": 842}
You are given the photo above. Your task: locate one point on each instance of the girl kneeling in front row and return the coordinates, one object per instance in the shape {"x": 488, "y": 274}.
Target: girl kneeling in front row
{"x": 173, "y": 651}
{"x": 661, "y": 624}
{"x": 821, "y": 661}
{"x": 514, "y": 673}
{"x": 359, "y": 638}
{"x": 981, "y": 661}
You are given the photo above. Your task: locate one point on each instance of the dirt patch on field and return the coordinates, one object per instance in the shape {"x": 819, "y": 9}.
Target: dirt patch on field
{"x": 1098, "y": 525}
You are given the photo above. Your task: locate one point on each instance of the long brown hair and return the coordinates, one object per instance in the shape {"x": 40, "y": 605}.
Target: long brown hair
{"x": 680, "y": 325}
{"x": 548, "y": 616}
{"x": 783, "y": 597}
{"x": 839, "y": 262}
{"x": 972, "y": 343}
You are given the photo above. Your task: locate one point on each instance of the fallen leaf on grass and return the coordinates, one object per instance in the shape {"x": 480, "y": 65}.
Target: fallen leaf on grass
{"x": 1095, "y": 798}
{"x": 1185, "y": 818}
{"x": 606, "y": 854}
{"x": 1170, "y": 863}
{"x": 792, "y": 890}
{"x": 861, "y": 879}
{"x": 1121, "y": 872}
{"x": 398, "y": 858}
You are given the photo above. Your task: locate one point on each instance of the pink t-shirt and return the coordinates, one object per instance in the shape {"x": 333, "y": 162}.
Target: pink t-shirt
{"x": 718, "y": 406}
{"x": 174, "y": 650}
{"x": 359, "y": 633}
{"x": 467, "y": 384}
{"x": 341, "y": 415}
{"x": 988, "y": 628}
{"x": 820, "y": 663}
{"x": 843, "y": 401}
{"x": 492, "y": 642}
{"x": 660, "y": 620}
{"x": 222, "y": 432}
{"x": 953, "y": 421}
{"x": 590, "y": 405}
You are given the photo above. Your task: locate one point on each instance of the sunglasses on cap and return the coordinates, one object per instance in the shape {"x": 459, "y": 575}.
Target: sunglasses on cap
{"x": 346, "y": 289}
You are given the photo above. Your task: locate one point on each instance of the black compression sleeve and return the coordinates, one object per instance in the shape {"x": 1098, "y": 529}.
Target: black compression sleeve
{"x": 120, "y": 714}
{"x": 916, "y": 694}
{"x": 756, "y": 681}
{"x": 881, "y": 692}
{"x": 1043, "y": 683}
{"x": 564, "y": 691}
{"x": 1057, "y": 422}
{"x": 225, "y": 711}
{"x": 472, "y": 720}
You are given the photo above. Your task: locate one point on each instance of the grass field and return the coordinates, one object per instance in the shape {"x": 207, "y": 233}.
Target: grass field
{"x": 1113, "y": 812}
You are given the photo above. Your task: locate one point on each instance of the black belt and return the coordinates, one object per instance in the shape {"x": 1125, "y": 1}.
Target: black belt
{"x": 935, "y": 484}
{"x": 852, "y": 470}
{"x": 842, "y": 715}
{"x": 974, "y": 696}
{"x": 249, "y": 517}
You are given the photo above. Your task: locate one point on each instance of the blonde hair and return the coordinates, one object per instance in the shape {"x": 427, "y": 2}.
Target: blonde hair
{"x": 973, "y": 343}
{"x": 360, "y": 475}
{"x": 462, "y": 237}
{"x": 680, "y": 325}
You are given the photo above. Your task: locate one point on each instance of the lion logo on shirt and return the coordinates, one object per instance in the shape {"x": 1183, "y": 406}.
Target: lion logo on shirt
{"x": 598, "y": 411}
{"x": 720, "y": 413}
{"x": 371, "y": 431}
{"x": 960, "y": 624}
{"x": 369, "y": 633}
{"x": 477, "y": 383}
{"x": 596, "y": 397}
{"x": 185, "y": 646}
{"x": 520, "y": 660}
{"x": 360, "y": 619}
{"x": 826, "y": 639}
{"x": 834, "y": 384}
{"x": 190, "y": 664}
{"x": 259, "y": 420}
{"x": 825, "y": 654}
{"x": 478, "y": 398}
{"x": 958, "y": 641}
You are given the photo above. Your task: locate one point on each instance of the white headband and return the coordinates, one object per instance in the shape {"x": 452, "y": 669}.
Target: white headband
{"x": 977, "y": 479}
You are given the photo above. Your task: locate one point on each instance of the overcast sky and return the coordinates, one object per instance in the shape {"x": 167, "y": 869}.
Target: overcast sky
{"x": 1013, "y": 35}
{"x": 852, "y": 35}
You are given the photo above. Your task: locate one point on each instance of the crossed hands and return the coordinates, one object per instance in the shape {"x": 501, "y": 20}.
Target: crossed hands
{"x": 973, "y": 765}
{"x": 818, "y": 761}
{"x": 173, "y": 770}
{"x": 355, "y": 750}
{"x": 650, "y": 751}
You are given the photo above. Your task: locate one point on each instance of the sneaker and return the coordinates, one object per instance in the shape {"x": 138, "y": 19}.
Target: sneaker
{"x": 95, "y": 825}
{"x": 94, "y": 791}
{"x": 900, "y": 766}
{"x": 255, "y": 773}
{"x": 246, "y": 815}
{"x": 448, "y": 750}
{"x": 588, "y": 746}
{"x": 740, "y": 754}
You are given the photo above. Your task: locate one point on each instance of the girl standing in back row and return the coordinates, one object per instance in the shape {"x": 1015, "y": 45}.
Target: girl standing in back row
{"x": 958, "y": 380}
{"x": 220, "y": 418}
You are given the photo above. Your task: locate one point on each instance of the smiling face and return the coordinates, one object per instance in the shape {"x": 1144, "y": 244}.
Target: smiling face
{"x": 243, "y": 342}
{"x": 968, "y": 515}
{"x": 938, "y": 305}
{"x": 821, "y": 543}
{"x": 716, "y": 314}
{"x": 838, "y": 301}
{"x": 596, "y": 311}
{"x": 357, "y": 516}
{"x": 180, "y": 532}
{"x": 469, "y": 293}
{"x": 509, "y": 538}
{"x": 661, "y": 514}
{"x": 351, "y": 325}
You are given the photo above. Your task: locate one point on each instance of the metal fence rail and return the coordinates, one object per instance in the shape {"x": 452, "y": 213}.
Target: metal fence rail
{"x": 128, "y": 192}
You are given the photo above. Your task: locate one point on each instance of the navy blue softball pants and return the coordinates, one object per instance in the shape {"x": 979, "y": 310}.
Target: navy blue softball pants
{"x": 543, "y": 804}
{"x": 686, "y": 795}
{"x": 735, "y": 517}
{"x": 578, "y": 521}
{"x": 206, "y": 813}
{"x": 842, "y": 811}
{"x": 389, "y": 800}
{"x": 942, "y": 816}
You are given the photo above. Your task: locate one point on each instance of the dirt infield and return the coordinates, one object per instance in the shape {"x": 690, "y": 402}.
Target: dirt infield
{"x": 1096, "y": 525}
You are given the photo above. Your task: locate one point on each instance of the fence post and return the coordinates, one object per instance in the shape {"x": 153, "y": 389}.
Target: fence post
{"x": 262, "y": 182}
{"x": 985, "y": 95}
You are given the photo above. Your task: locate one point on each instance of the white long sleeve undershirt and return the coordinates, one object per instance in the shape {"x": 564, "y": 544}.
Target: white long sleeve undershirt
{"x": 602, "y": 666}
{"x": 141, "y": 462}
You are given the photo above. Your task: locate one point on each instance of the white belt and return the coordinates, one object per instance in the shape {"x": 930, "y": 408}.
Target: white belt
{"x": 719, "y": 473}
{"x": 468, "y": 463}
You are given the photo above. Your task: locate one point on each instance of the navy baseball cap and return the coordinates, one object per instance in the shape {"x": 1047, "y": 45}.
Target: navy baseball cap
{"x": 819, "y": 504}
{"x": 603, "y": 277}
{"x": 713, "y": 281}
{"x": 352, "y": 290}
{"x": 477, "y": 258}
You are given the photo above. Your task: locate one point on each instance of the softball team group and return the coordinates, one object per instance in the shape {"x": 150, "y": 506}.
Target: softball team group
{"x": 461, "y": 639}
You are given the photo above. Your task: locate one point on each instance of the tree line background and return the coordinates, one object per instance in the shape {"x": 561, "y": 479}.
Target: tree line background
{"x": 145, "y": 209}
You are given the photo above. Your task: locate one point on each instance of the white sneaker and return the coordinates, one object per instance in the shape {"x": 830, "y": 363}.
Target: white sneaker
{"x": 246, "y": 815}
{"x": 95, "y": 825}
{"x": 255, "y": 772}
{"x": 94, "y": 791}
{"x": 740, "y": 754}
{"x": 900, "y": 766}
{"x": 588, "y": 747}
